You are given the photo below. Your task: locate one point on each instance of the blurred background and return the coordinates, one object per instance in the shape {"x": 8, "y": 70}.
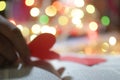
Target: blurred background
{"x": 89, "y": 27}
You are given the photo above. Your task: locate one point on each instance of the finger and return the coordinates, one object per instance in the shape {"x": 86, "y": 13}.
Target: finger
{"x": 1, "y": 60}
{"x": 9, "y": 55}
{"x": 21, "y": 46}
{"x": 4, "y": 63}
{"x": 67, "y": 78}
{"x": 61, "y": 70}
{"x": 7, "y": 50}
{"x": 45, "y": 65}
{"x": 14, "y": 35}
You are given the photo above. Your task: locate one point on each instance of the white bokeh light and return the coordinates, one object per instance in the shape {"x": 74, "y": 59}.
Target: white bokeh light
{"x": 34, "y": 12}
{"x": 79, "y": 3}
{"x": 112, "y": 40}
{"x": 48, "y": 29}
{"x": 77, "y": 13}
{"x": 36, "y": 28}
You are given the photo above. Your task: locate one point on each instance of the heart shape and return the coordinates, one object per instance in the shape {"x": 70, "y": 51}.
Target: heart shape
{"x": 40, "y": 46}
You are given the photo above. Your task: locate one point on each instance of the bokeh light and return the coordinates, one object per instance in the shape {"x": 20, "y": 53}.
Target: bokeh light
{"x": 80, "y": 25}
{"x": 44, "y": 19}
{"x": 33, "y": 36}
{"x": 79, "y": 3}
{"x": 112, "y": 40}
{"x": 90, "y": 8}
{"x": 34, "y": 12}
{"x": 92, "y": 35}
{"x": 76, "y": 20}
{"x": 63, "y": 20}
{"x": 48, "y": 29}
{"x": 25, "y": 32}
{"x": 67, "y": 19}
{"x": 2, "y": 5}
{"x": 93, "y": 26}
{"x": 51, "y": 11}
{"x": 36, "y": 28}
{"x": 105, "y": 47}
{"x": 77, "y": 13}
{"x": 105, "y": 20}
{"x": 20, "y": 27}
{"x": 29, "y": 2}
{"x": 58, "y": 5}
{"x": 67, "y": 10}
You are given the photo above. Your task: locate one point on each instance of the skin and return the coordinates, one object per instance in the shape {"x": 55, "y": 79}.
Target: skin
{"x": 14, "y": 50}
{"x": 14, "y": 41}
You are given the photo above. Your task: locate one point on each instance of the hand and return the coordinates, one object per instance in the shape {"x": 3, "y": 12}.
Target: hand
{"x": 47, "y": 66}
{"x": 12, "y": 44}
{"x": 13, "y": 47}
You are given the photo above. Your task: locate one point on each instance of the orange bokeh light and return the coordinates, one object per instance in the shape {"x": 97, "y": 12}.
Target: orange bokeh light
{"x": 58, "y": 5}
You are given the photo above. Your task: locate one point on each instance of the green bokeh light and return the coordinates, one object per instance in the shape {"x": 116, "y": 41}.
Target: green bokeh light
{"x": 105, "y": 20}
{"x": 44, "y": 19}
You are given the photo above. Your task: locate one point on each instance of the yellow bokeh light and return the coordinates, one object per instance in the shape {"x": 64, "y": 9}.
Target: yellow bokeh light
{"x": 34, "y": 12}
{"x": 112, "y": 40}
{"x": 93, "y": 26}
{"x": 29, "y": 2}
{"x": 51, "y": 11}
{"x": 48, "y": 29}
{"x": 90, "y": 8}
{"x": 67, "y": 10}
{"x": 2, "y": 5}
{"x": 79, "y": 3}
{"x": 77, "y": 13}
{"x": 25, "y": 32}
{"x": 62, "y": 20}
{"x": 36, "y": 28}
{"x": 105, "y": 47}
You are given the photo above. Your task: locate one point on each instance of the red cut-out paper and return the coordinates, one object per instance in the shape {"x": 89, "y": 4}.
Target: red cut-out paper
{"x": 89, "y": 61}
{"x": 40, "y": 46}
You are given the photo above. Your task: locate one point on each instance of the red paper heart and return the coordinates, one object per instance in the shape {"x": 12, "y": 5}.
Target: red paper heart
{"x": 89, "y": 61}
{"x": 40, "y": 46}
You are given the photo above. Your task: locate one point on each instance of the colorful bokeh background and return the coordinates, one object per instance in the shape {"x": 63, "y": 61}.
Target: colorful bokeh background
{"x": 95, "y": 20}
